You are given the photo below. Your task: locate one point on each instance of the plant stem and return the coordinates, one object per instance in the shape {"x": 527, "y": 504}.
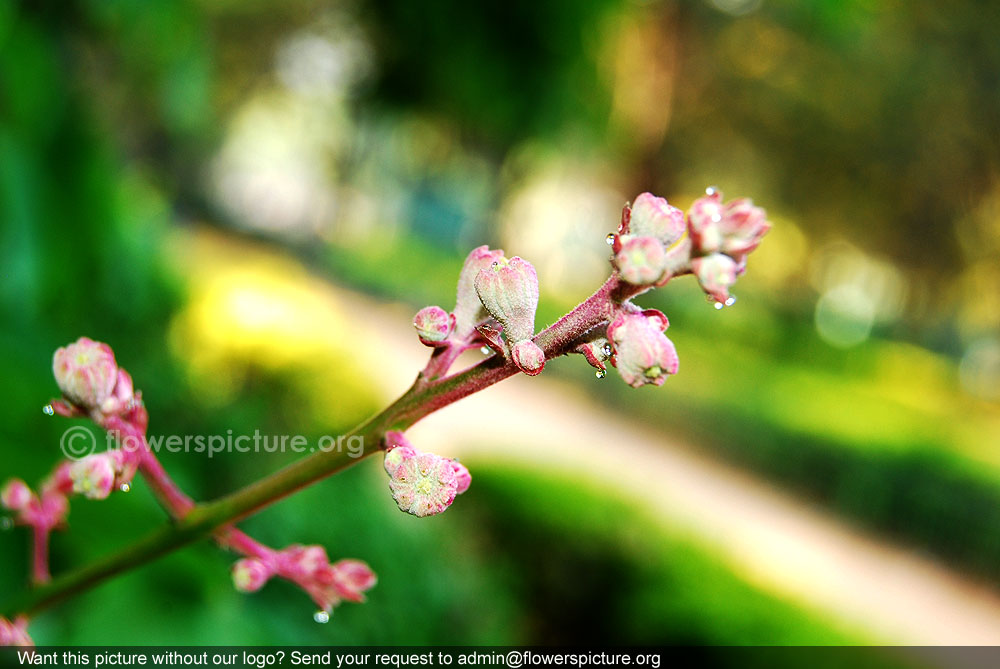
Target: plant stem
{"x": 201, "y": 520}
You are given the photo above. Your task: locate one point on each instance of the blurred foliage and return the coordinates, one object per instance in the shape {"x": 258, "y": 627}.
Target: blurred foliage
{"x": 377, "y": 141}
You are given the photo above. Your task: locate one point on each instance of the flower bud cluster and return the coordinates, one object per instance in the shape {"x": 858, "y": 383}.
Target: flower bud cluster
{"x": 308, "y": 567}
{"x": 655, "y": 242}
{"x": 490, "y": 286}
{"x": 423, "y": 484}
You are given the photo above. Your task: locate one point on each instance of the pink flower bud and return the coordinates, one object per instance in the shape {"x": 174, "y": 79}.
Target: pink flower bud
{"x": 652, "y": 217}
{"x": 86, "y": 372}
{"x": 15, "y": 633}
{"x": 94, "y": 476}
{"x": 16, "y": 495}
{"x": 716, "y": 273}
{"x": 469, "y": 310}
{"x": 433, "y": 325}
{"x": 641, "y": 260}
{"x": 250, "y": 574}
{"x": 123, "y": 397}
{"x": 303, "y": 561}
{"x": 704, "y": 219}
{"x": 509, "y": 291}
{"x": 424, "y": 484}
{"x": 642, "y": 353}
{"x": 351, "y": 579}
{"x": 463, "y": 479}
{"x": 677, "y": 259}
{"x": 528, "y": 357}
{"x": 743, "y": 227}
{"x": 397, "y": 449}
{"x": 734, "y": 229}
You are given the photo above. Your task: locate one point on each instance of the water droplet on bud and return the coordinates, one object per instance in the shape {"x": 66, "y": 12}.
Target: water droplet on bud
{"x": 48, "y": 410}
{"x": 124, "y": 487}
{"x": 731, "y": 300}
{"x": 6, "y": 523}
{"x": 606, "y": 350}
{"x": 711, "y": 190}
{"x": 610, "y": 239}
{"x": 322, "y": 617}
{"x": 600, "y": 373}
{"x": 716, "y": 218}
{"x": 486, "y": 350}
{"x": 719, "y": 305}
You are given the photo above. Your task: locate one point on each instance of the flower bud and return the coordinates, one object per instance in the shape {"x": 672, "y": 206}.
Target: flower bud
{"x": 351, "y": 579}
{"x": 86, "y": 372}
{"x": 433, "y": 325}
{"x": 735, "y": 228}
{"x": 303, "y": 561}
{"x": 704, "y": 218}
{"x": 94, "y": 476}
{"x": 250, "y": 574}
{"x": 641, "y": 260}
{"x": 716, "y": 273}
{"x": 397, "y": 449}
{"x": 16, "y": 495}
{"x": 642, "y": 353}
{"x": 122, "y": 397}
{"x": 509, "y": 291}
{"x": 423, "y": 484}
{"x": 743, "y": 227}
{"x": 528, "y": 357}
{"x": 463, "y": 479}
{"x": 651, "y": 216}
{"x": 15, "y": 633}
{"x": 469, "y": 310}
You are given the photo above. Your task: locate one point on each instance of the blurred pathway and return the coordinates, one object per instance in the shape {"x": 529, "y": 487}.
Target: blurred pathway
{"x": 767, "y": 536}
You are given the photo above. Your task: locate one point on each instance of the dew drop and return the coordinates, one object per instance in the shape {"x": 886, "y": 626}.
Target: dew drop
{"x": 124, "y": 487}
{"x": 485, "y": 350}
{"x": 711, "y": 190}
{"x": 610, "y": 239}
{"x": 731, "y": 300}
{"x": 719, "y": 305}
{"x": 48, "y": 410}
{"x": 322, "y": 617}
{"x": 716, "y": 218}
{"x": 600, "y": 373}
{"x": 606, "y": 350}
{"x": 6, "y": 523}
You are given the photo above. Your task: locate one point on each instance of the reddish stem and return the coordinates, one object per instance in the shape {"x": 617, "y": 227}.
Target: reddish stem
{"x": 40, "y": 554}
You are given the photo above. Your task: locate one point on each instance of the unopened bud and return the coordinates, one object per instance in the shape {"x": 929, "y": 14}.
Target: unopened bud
{"x": 528, "y": 357}
{"x": 16, "y": 495}
{"x": 463, "y": 479}
{"x": 433, "y": 325}
{"x": 651, "y": 216}
{"x": 94, "y": 476}
{"x": 641, "y": 260}
{"x": 469, "y": 311}
{"x": 642, "y": 353}
{"x": 716, "y": 273}
{"x": 509, "y": 291}
{"x": 250, "y": 574}
{"x": 86, "y": 372}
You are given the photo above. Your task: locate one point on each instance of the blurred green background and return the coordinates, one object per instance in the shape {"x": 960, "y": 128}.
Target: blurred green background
{"x": 208, "y": 186}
